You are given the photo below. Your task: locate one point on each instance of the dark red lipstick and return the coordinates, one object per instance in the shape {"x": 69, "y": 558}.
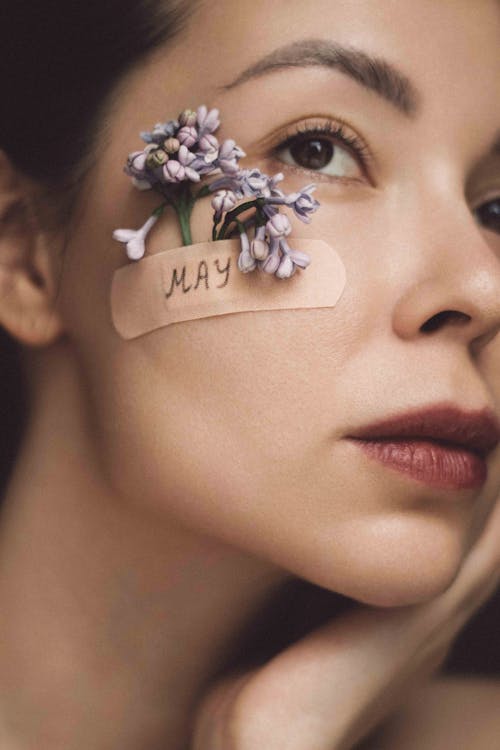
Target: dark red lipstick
{"x": 443, "y": 446}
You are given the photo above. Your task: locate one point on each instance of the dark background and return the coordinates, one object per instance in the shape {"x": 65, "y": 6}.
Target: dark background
{"x": 477, "y": 649}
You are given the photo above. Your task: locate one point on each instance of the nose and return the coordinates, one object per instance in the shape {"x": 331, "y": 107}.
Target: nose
{"x": 455, "y": 289}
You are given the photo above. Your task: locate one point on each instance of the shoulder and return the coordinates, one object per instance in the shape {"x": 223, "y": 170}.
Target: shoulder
{"x": 447, "y": 713}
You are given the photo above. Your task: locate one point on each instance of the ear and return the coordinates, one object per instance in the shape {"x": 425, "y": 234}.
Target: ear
{"x": 28, "y": 278}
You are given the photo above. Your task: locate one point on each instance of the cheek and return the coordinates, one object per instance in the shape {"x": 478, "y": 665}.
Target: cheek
{"x": 230, "y": 426}
{"x": 227, "y": 423}
{"x": 247, "y": 397}
{"x": 233, "y": 425}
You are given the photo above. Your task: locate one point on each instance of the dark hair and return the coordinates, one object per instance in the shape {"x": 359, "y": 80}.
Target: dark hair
{"x": 59, "y": 62}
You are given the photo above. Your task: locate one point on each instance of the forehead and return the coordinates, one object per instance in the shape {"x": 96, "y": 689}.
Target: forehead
{"x": 446, "y": 46}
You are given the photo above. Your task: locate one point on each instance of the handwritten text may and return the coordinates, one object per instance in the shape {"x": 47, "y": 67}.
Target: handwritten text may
{"x": 204, "y": 275}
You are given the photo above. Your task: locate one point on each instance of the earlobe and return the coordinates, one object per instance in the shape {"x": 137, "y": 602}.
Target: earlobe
{"x": 28, "y": 287}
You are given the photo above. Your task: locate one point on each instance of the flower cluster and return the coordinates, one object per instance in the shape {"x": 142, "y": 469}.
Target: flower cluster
{"x": 182, "y": 149}
{"x": 182, "y": 152}
{"x": 269, "y": 249}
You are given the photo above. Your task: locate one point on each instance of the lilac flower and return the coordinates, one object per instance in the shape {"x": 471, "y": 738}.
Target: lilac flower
{"x": 136, "y": 164}
{"x": 209, "y": 146}
{"x": 301, "y": 260}
{"x": 249, "y": 183}
{"x": 278, "y": 226}
{"x": 286, "y": 268}
{"x": 208, "y": 142}
{"x": 171, "y": 145}
{"x": 185, "y": 150}
{"x": 137, "y": 169}
{"x": 188, "y": 135}
{"x": 259, "y": 248}
{"x": 135, "y": 238}
{"x": 303, "y": 203}
{"x": 271, "y": 263}
{"x": 160, "y": 131}
{"x": 229, "y": 155}
{"x": 245, "y": 261}
{"x": 222, "y": 202}
{"x": 208, "y": 122}
{"x": 204, "y": 167}
{"x": 178, "y": 170}
{"x": 187, "y": 117}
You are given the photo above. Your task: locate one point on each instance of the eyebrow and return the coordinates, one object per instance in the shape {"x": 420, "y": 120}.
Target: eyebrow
{"x": 373, "y": 73}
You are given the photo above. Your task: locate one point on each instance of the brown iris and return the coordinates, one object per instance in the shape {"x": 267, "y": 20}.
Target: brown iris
{"x": 312, "y": 153}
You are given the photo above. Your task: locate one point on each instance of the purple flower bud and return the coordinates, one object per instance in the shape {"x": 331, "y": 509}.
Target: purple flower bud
{"x": 223, "y": 201}
{"x": 208, "y": 142}
{"x": 160, "y": 131}
{"x": 156, "y": 158}
{"x": 187, "y": 117}
{"x": 136, "y": 164}
{"x": 171, "y": 145}
{"x": 173, "y": 171}
{"x": 299, "y": 259}
{"x": 303, "y": 203}
{"x": 229, "y": 155}
{"x": 278, "y": 226}
{"x": 256, "y": 180}
{"x": 135, "y": 238}
{"x": 185, "y": 156}
{"x": 286, "y": 268}
{"x": 271, "y": 263}
{"x": 208, "y": 122}
{"x": 259, "y": 248}
{"x": 187, "y": 135}
{"x": 191, "y": 174}
{"x": 245, "y": 261}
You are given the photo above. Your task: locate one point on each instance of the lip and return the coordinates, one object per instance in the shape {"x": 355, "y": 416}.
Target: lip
{"x": 441, "y": 445}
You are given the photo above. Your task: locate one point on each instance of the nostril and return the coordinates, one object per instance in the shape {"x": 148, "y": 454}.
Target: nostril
{"x": 455, "y": 317}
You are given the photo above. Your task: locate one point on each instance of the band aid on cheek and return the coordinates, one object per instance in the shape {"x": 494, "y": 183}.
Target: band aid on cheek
{"x": 203, "y": 280}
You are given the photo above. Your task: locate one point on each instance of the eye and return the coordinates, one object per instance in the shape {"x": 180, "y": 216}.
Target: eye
{"x": 325, "y": 149}
{"x": 488, "y": 215}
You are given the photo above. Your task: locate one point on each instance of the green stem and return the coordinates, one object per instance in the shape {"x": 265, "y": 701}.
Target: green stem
{"x": 183, "y": 204}
{"x": 160, "y": 209}
{"x": 202, "y": 192}
{"x": 184, "y": 214}
{"x": 231, "y": 215}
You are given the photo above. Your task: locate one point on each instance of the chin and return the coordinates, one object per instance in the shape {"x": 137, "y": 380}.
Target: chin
{"x": 395, "y": 563}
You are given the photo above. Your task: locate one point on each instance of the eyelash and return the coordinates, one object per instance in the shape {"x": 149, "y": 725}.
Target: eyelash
{"x": 336, "y": 133}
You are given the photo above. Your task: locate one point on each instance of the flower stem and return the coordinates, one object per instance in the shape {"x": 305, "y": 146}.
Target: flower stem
{"x": 183, "y": 204}
{"x": 160, "y": 209}
{"x": 202, "y": 192}
{"x": 184, "y": 213}
{"x": 231, "y": 215}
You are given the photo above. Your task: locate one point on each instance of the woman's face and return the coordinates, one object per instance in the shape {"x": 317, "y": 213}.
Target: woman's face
{"x": 236, "y": 425}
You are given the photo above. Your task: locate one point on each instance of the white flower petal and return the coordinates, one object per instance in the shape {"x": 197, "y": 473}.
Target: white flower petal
{"x": 124, "y": 235}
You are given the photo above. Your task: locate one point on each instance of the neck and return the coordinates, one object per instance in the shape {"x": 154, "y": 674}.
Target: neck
{"x": 115, "y": 619}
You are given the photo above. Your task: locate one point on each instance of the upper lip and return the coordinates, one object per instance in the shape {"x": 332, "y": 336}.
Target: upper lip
{"x": 477, "y": 431}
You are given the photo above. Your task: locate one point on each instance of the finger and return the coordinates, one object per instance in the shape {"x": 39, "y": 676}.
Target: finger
{"x": 325, "y": 691}
{"x": 214, "y": 727}
{"x": 479, "y": 576}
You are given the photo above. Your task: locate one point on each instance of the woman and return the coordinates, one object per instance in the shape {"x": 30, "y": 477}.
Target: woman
{"x": 169, "y": 486}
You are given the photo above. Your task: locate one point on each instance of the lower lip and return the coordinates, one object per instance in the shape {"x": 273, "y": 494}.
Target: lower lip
{"x": 438, "y": 465}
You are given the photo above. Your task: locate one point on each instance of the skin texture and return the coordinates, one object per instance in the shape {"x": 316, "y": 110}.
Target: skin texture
{"x": 168, "y": 484}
